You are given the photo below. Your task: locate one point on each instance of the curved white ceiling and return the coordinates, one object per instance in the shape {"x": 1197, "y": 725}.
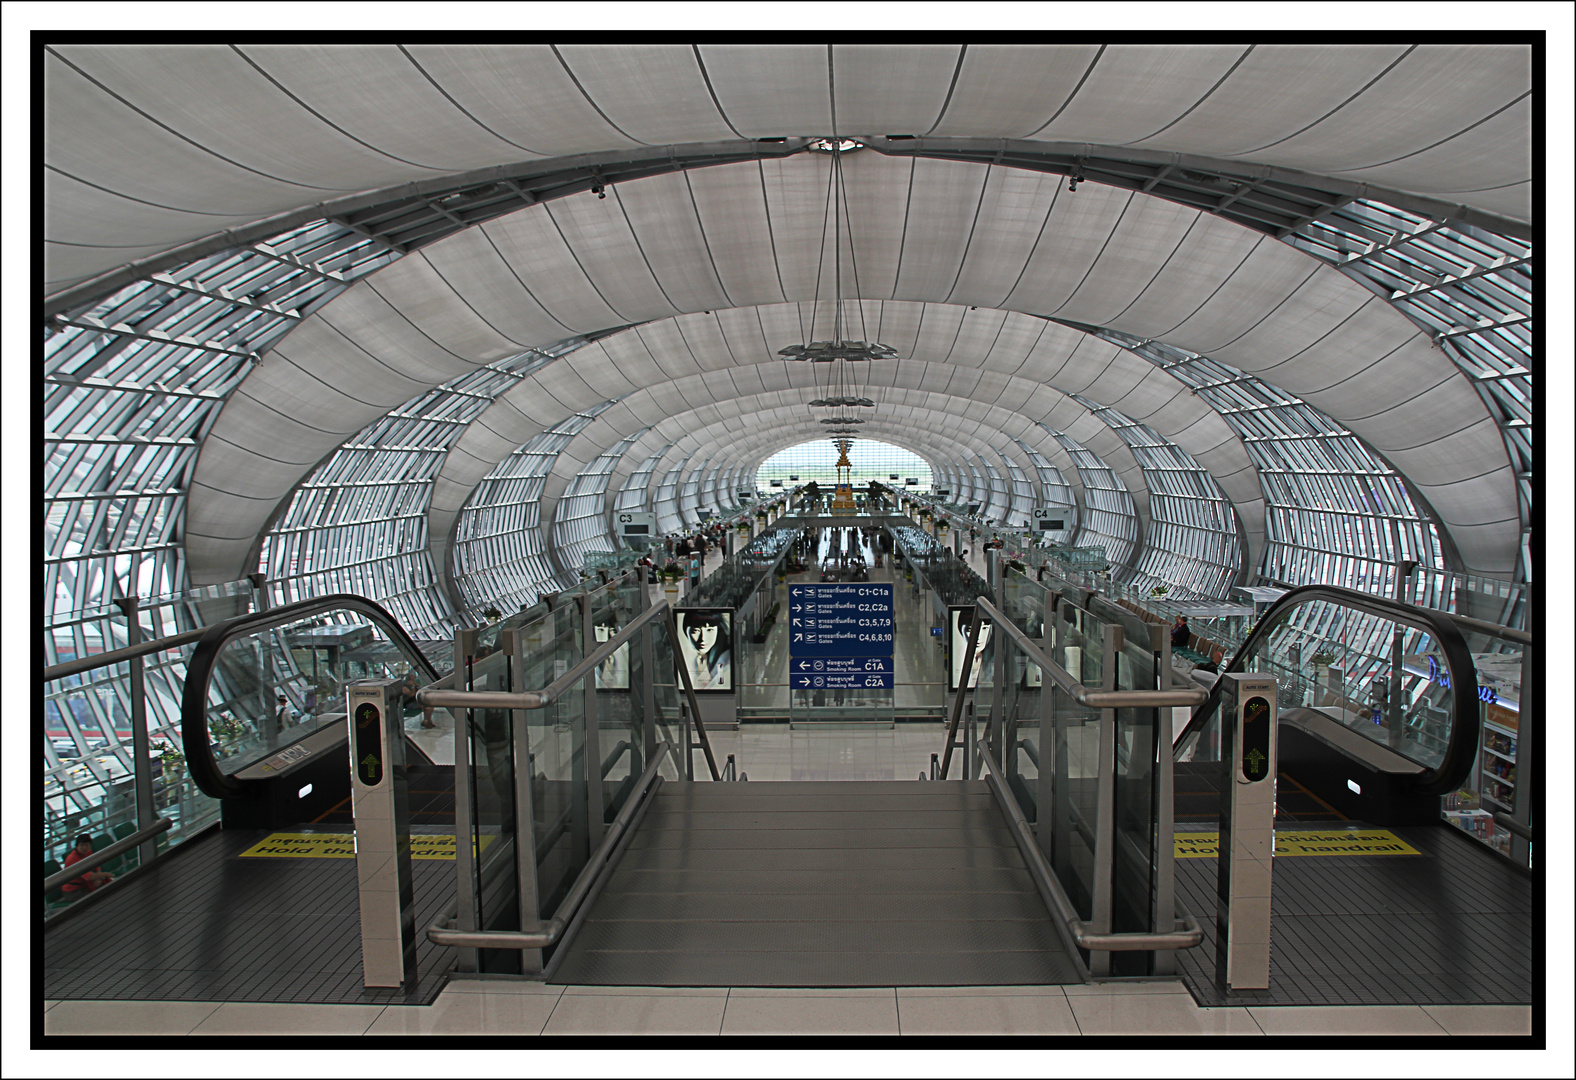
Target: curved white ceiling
{"x": 708, "y": 257}
{"x": 150, "y": 147}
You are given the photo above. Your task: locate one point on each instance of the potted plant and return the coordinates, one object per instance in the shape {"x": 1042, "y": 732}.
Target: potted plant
{"x": 1321, "y": 662}
{"x": 671, "y": 575}
{"x": 1158, "y": 591}
{"x": 172, "y": 761}
{"x": 491, "y": 613}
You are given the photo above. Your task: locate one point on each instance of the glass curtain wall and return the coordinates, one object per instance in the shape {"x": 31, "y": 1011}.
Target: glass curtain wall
{"x": 358, "y": 523}
{"x": 1108, "y": 520}
{"x": 500, "y": 556}
{"x": 1192, "y": 542}
{"x": 871, "y": 459}
{"x": 581, "y": 518}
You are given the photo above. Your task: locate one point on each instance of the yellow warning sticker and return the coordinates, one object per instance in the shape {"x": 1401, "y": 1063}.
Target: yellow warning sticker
{"x": 1206, "y": 845}
{"x": 283, "y": 845}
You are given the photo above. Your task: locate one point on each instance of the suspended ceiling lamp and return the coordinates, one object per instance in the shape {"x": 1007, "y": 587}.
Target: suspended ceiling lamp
{"x": 845, "y": 399}
{"x": 842, "y": 420}
{"x": 840, "y": 346}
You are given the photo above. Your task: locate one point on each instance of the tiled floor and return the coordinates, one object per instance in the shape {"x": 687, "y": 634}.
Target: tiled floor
{"x": 486, "y": 1007}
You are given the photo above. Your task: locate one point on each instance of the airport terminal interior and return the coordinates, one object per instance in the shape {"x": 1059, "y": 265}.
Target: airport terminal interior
{"x": 791, "y": 540}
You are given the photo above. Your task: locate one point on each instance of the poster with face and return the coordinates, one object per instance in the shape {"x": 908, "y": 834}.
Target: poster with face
{"x": 612, "y": 673}
{"x": 959, "y": 619}
{"x": 706, "y": 648}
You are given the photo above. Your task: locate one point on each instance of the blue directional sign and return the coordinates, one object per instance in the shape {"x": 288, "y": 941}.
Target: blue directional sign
{"x": 840, "y": 636}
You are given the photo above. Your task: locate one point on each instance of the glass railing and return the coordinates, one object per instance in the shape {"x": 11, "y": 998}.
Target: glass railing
{"x": 562, "y": 723}
{"x": 1074, "y": 719}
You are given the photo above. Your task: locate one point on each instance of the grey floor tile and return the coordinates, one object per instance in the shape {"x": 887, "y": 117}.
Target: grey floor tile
{"x": 127, "y": 1017}
{"x": 1345, "y": 1020}
{"x": 985, "y": 1014}
{"x": 269, "y": 1018}
{"x": 810, "y": 1012}
{"x": 469, "y": 1014}
{"x": 1482, "y": 1019}
{"x": 638, "y": 1014}
{"x": 1156, "y": 1014}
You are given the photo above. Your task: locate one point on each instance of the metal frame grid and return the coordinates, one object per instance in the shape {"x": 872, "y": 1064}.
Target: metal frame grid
{"x": 666, "y": 504}
{"x": 1020, "y": 494}
{"x": 1193, "y": 540}
{"x": 1469, "y": 289}
{"x": 1055, "y": 491}
{"x": 580, "y": 522}
{"x": 1335, "y": 512}
{"x": 133, "y": 383}
{"x": 1109, "y": 520}
{"x": 358, "y": 523}
{"x": 501, "y": 557}
{"x": 636, "y": 490}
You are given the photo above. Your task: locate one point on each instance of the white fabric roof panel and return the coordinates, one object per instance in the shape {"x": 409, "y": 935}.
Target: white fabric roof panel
{"x": 768, "y": 91}
{"x": 726, "y": 238}
{"x": 1008, "y": 92}
{"x": 1136, "y": 91}
{"x": 654, "y": 93}
{"x": 201, "y": 131}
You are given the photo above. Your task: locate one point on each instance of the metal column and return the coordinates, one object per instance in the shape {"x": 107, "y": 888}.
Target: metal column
{"x": 142, "y": 770}
{"x": 465, "y": 852}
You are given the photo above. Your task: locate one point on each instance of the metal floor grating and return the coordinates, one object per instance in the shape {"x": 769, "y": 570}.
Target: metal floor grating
{"x": 1452, "y": 926}
{"x": 819, "y": 884}
{"x": 206, "y": 925}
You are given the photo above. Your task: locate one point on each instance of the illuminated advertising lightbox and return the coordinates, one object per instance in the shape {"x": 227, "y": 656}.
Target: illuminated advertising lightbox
{"x": 706, "y": 648}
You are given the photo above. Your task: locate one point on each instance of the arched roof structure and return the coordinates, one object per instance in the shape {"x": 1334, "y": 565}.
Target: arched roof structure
{"x": 1283, "y": 274}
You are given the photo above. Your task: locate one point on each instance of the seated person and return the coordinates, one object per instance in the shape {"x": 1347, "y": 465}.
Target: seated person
{"x": 1180, "y": 634}
{"x": 1215, "y": 660}
{"x": 92, "y": 879}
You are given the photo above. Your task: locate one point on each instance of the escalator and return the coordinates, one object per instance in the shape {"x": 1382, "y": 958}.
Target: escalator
{"x": 264, "y": 908}
{"x": 1388, "y": 724}
{"x": 1382, "y": 722}
{"x": 262, "y": 712}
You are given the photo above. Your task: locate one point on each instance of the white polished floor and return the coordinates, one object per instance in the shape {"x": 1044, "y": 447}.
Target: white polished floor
{"x": 478, "y": 1007}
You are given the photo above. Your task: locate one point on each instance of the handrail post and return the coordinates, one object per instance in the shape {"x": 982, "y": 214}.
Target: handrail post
{"x": 1105, "y": 804}
{"x": 464, "y": 827}
{"x": 648, "y": 677}
{"x": 1163, "y": 915}
{"x": 597, "y": 810}
{"x": 141, "y": 751}
{"x": 511, "y": 642}
{"x": 998, "y": 702}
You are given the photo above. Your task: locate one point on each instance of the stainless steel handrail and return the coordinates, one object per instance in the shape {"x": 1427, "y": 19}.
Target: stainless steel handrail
{"x": 1479, "y": 626}
{"x": 1073, "y": 927}
{"x": 1516, "y": 827}
{"x": 543, "y": 934}
{"x": 1094, "y": 699}
{"x": 120, "y": 656}
{"x": 439, "y": 698}
{"x": 99, "y": 858}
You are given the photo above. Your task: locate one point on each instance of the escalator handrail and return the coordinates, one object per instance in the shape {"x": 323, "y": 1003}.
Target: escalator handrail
{"x": 196, "y": 743}
{"x": 1460, "y": 751}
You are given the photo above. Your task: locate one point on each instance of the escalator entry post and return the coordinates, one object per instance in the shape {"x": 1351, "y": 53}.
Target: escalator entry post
{"x": 1247, "y": 831}
{"x": 381, "y": 806}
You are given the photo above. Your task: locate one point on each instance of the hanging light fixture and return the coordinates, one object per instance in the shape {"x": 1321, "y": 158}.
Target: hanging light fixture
{"x": 842, "y": 420}
{"x": 844, "y": 400}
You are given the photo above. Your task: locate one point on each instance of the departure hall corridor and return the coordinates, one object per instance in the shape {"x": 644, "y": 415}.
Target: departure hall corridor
{"x": 1120, "y": 462}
